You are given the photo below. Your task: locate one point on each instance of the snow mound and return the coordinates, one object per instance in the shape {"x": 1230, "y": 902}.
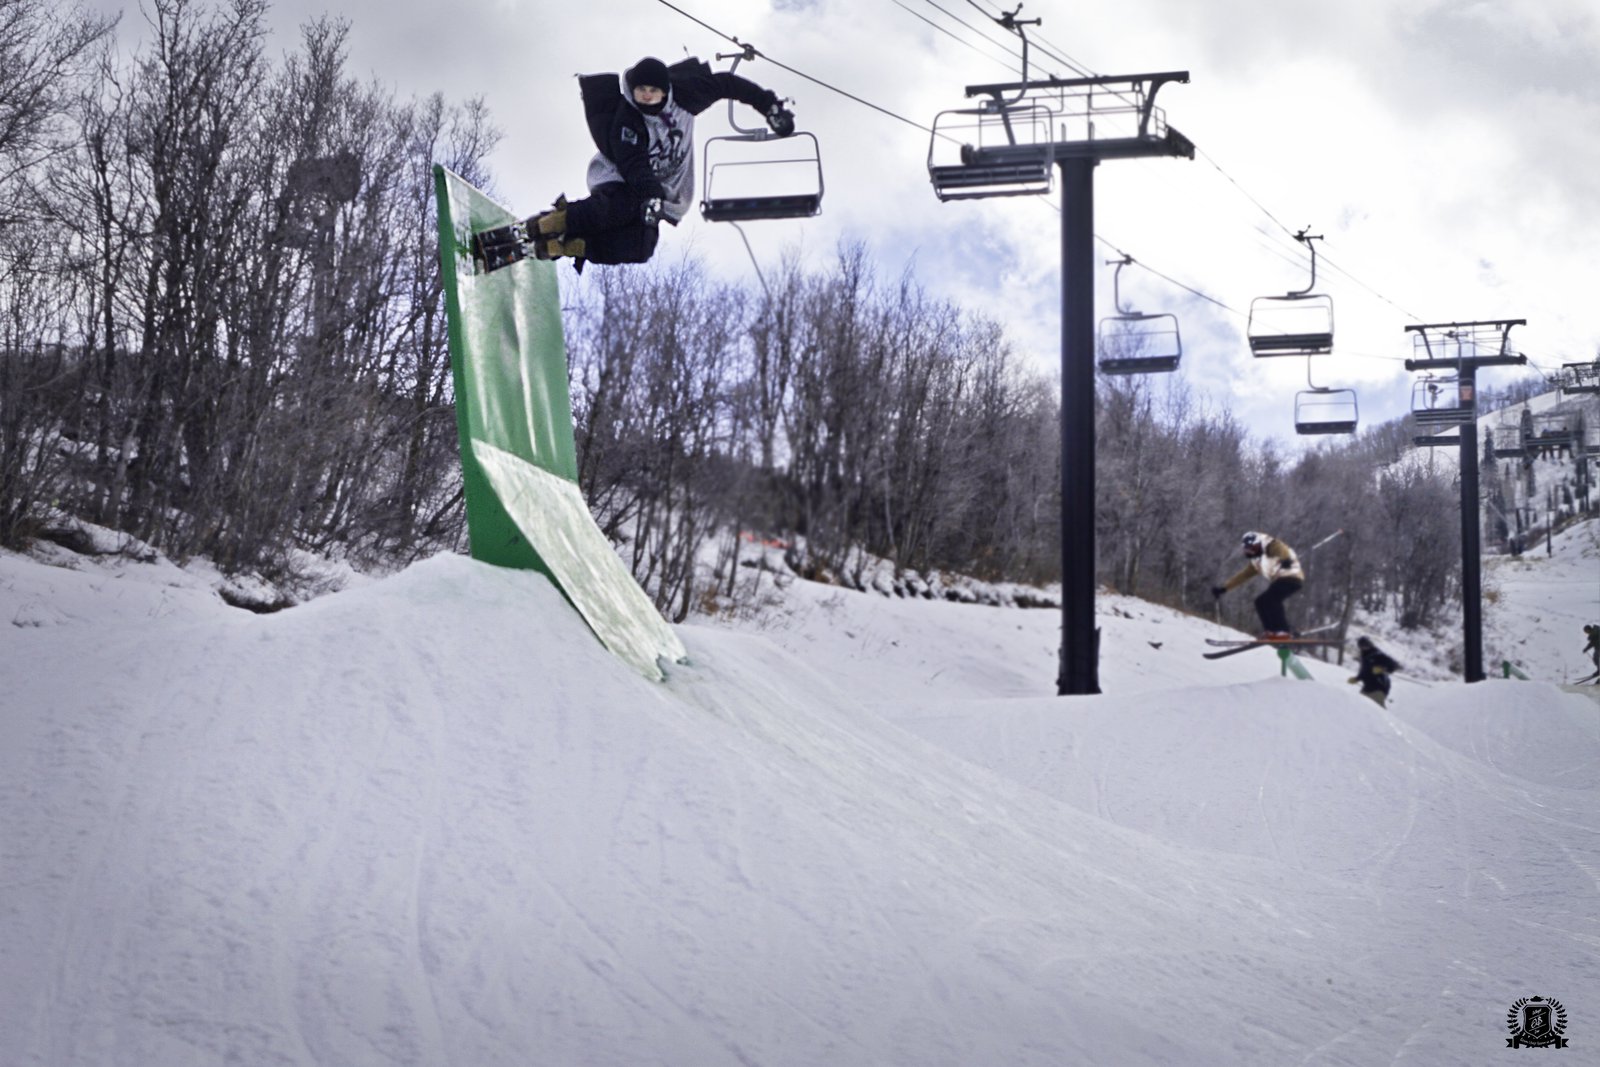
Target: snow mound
{"x": 430, "y": 820}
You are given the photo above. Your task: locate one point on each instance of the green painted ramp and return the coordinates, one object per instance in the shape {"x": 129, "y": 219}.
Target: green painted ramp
{"x": 509, "y": 366}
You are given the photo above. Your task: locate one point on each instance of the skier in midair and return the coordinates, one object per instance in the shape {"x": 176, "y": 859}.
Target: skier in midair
{"x": 1373, "y": 674}
{"x": 1276, "y": 562}
{"x": 643, "y": 173}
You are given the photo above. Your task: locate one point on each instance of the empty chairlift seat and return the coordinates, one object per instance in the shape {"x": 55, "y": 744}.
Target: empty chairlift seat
{"x": 1299, "y": 323}
{"x": 1139, "y": 344}
{"x": 754, "y": 175}
{"x": 994, "y": 150}
{"x": 1296, "y": 324}
{"x": 1130, "y": 342}
{"x": 1326, "y": 411}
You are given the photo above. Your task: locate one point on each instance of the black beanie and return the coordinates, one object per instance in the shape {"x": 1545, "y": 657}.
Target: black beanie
{"x": 648, "y": 71}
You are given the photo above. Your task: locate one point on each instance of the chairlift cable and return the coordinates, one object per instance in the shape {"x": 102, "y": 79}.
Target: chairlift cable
{"x": 1168, "y": 279}
{"x": 1044, "y": 45}
{"x": 1049, "y": 49}
{"x": 797, "y": 73}
{"x": 1324, "y": 258}
{"x": 1015, "y": 54}
{"x": 952, "y": 35}
{"x": 1409, "y": 314}
{"x": 734, "y": 40}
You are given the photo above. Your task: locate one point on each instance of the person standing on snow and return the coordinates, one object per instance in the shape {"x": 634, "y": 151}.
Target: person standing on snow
{"x": 1277, "y": 563}
{"x": 1373, "y": 675}
{"x": 1592, "y": 631}
{"x": 644, "y": 170}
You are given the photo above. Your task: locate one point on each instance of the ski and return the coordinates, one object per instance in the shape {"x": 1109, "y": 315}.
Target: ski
{"x": 1236, "y": 647}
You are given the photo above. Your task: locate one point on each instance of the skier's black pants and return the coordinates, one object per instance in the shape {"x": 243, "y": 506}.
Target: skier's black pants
{"x": 608, "y": 220}
{"x": 1269, "y": 605}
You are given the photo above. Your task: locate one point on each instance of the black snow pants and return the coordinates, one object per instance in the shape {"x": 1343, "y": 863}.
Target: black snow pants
{"x": 1269, "y": 605}
{"x": 608, "y": 220}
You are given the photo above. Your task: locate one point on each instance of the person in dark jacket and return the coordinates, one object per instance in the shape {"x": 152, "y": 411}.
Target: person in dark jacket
{"x": 643, "y": 172}
{"x": 1374, "y": 672}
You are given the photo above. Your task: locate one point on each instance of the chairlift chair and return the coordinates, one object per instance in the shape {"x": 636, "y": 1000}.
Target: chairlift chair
{"x": 1008, "y": 145}
{"x": 1554, "y": 432}
{"x": 1443, "y": 401}
{"x": 996, "y": 149}
{"x": 1298, "y": 323}
{"x": 1580, "y": 378}
{"x": 746, "y": 181}
{"x": 1508, "y": 443}
{"x": 753, "y": 174}
{"x": 1323, "y": 409}
{"x": 1134, "y": 343}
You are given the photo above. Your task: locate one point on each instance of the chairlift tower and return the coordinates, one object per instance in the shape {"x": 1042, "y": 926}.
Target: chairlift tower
{"x": 1011, "y": 145}
{"x": 1452, "y": 400}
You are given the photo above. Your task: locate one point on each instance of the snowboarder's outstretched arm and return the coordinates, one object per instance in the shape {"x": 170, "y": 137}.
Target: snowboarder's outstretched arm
{"x": 697, "y": 87}
{"x": 732, "y": 87}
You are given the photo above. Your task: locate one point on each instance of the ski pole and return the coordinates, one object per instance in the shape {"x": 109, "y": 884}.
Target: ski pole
{"x": 1324, "y": 541}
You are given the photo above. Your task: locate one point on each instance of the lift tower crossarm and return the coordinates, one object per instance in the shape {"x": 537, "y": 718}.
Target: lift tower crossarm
{"x": 1469, "y": 329}
{"x": 1477, "y": 361}
{"x": 1134, "y": 81}
{"x": 1156, "y": 81}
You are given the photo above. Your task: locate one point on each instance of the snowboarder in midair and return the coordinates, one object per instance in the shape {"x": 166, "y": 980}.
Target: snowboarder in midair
{"x": 1277, "y": 563}
{"x": 1373, "y": 675}
{"x": 643, "y": 173}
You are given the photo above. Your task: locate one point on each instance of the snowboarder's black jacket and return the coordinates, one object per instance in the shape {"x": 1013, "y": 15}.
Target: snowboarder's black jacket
{"x": 1375, "y": 670}
{"x": 619, "y": 130}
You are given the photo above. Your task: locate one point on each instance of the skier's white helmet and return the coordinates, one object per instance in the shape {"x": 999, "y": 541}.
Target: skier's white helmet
{"x": 1255, "y": 543}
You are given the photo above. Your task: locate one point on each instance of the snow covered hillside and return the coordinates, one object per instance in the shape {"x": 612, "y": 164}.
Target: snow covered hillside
{"x": 428, "y": 820}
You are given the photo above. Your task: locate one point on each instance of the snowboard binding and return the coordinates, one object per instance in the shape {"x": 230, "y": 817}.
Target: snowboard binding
{"x": 541, "y": 236}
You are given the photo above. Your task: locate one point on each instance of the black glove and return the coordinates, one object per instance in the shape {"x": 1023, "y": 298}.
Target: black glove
{"x": 1218, "y": 590}
{"x": 780, "y": 119}
{"x": 651, "y": 212}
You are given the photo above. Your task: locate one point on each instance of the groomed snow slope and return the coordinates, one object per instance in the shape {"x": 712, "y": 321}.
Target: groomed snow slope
{"x": 430, "y": 821}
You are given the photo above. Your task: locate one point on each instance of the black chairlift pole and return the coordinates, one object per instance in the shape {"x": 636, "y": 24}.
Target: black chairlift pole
{"x": 1466, "y": 368}
{"x": 1012, "y": 165}
{"x": 1080, "y": 640}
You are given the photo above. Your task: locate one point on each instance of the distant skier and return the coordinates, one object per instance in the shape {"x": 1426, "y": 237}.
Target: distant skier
{"x": 644, "y": 171}
{"x": 1277, "y": 563}
{"x": 1374, "y": 672}
{"x": 1592, "y": 631}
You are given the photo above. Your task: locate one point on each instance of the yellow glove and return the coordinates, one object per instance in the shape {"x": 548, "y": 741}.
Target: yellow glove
{"x": 1378, "y": 670}
{"x": 1352, "y": 681}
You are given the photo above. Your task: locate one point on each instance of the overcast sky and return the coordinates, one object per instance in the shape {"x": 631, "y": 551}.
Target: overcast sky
{"x": 1449, "y": 150}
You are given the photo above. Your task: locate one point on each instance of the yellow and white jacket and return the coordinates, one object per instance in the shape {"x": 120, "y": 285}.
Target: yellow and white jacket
{"x": 1277, "y": 561}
